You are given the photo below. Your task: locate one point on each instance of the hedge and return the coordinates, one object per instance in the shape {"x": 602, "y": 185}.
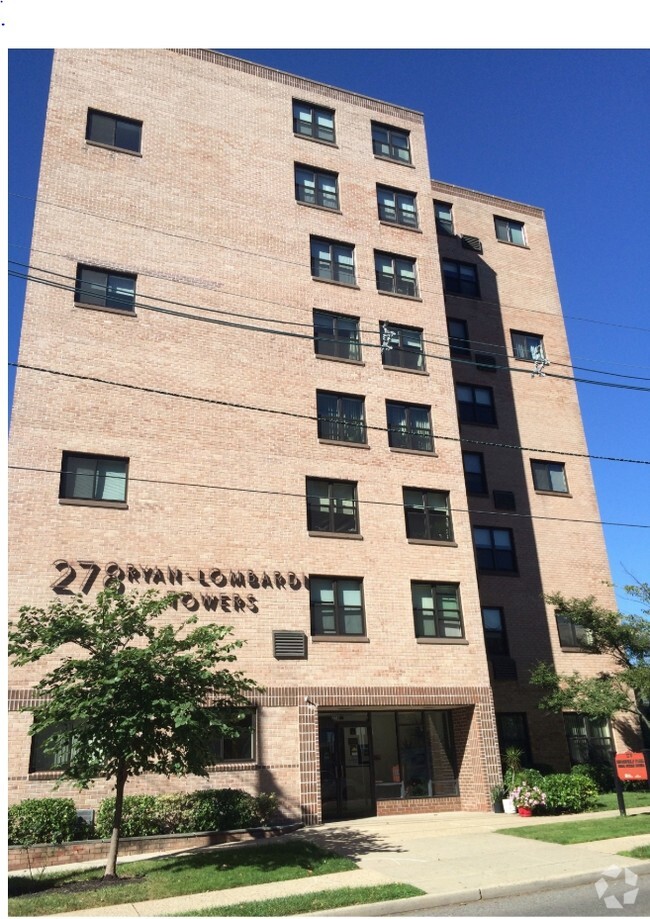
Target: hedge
{"x": 45, "y": 820}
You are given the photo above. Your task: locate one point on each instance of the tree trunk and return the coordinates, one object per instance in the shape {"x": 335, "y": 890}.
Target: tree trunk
{"x": 111, "y": 861}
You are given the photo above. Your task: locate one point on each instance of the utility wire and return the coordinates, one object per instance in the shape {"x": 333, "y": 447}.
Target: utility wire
{"x": 239, "y": 251}
{"x": 146, "y": 306}
{"x": 298, "y": 415}
{"x": 357, "y": 502}
{"x": 498, "y": 350}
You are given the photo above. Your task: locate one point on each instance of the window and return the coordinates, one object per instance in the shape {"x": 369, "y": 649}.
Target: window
{"x": 341, "y": 418}
{"x": 225, "y": 749}
{"x": 336, "y": 606}
{"x": 458, "y": 337}
{"x": 504, "y": 500}
{"x": 332, "y": 506}
{"x": 460, "y": 278}
{"x": 444, "y": 219}
{"x": 51, "y": 749}
{"x": 475, "y": 404}
{"x": 87, "y": 477}
{"x": 494, "y": 549}
{"x": 395, "y": 274}
{"x": 391, "y": 143}
{"x": 397, "y": 206}
{"x": 313, "y": 121}
{"x": 336, "y": 336}
{"x": 572, "y": 635}
{"x": 427, "y": 515}
{"x": 549, "y": 476}
{"x": 510, "y": 231}
{"x": 317, "y": 188}
{"x": 512, "y": 731}
{"x": 494, "y": 630}
{"x": 474, "y": 469}
{"x": 589, "y": 739}
{"x": 436, "y": 609}
{"x": 105, "y": 288}
{"x": 114, "y": 131}
{"x": 527, "y": 347}
{"x": 402, "y": 347}
{"x": 332, "y": 261}
{"x": 409, "y": 427}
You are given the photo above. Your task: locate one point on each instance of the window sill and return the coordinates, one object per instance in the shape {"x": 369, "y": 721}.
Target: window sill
{"x": 414, "y": 452}
{"x": 359, "y": 639}
{"x": 392, "y": 159}
{"x": 240, "y": 765}
{"x": 433, "y": 542}
{"x": 555, "y": 494}
{"x": 506, "y": 242}
{"x": 478, "y": 424}
{"x": 327, "y": 535}
{"x": 399, "y": 226}
{"x": 344, "y": 443}
{"x": 320, "y": 207}
{"x": 94, "y": 143}
{"x": 341, "y": 360}
{"x": 576, "y": 650}
{"x": 457, "y": 296}
{"x": 442, "y": 641}
{"x": 492, "y": 571}
{"x": 86, "y": 502}
{"x": 53, "y": 776}
{"x": 317, "y": 140}
{"x": 390, "y": 293}
{"x": 115, "y": 310}
{"x": 336, "y": 283}
{"x": 422, "y": 373}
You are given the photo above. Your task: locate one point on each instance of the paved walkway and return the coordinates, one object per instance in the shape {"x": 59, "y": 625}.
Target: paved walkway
{"x": 453, "y": 857}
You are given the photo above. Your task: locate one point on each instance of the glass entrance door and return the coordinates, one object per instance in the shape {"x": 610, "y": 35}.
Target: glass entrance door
{"x": 345, "y": 766}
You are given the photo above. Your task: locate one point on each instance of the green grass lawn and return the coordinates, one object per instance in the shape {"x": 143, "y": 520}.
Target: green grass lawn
{"x": 312, "y": 902}
{"x": 219, "y": 869}
{"x": 638, "y": 852}
{"x": 632, "y": 799}
{"x": 584, "y": 830}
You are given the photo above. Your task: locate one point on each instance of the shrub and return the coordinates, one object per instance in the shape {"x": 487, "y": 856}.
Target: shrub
{"x": 139, "y": 817}
{"x": 45, "y": 820}
{"x": 601, "y": 774}
{"x": 530, "y": 777}
{"x": 193, "y": 812}
{"x": 569, "y": 793}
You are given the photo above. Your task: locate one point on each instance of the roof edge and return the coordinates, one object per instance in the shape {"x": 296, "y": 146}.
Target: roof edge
{"x": 486, "y": 198}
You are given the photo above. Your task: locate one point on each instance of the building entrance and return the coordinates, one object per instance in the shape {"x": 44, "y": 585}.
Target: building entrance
{"x": 346, "y": 766}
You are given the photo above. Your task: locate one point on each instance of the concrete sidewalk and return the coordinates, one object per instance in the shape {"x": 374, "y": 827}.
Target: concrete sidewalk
{"x": 454, "y": 858}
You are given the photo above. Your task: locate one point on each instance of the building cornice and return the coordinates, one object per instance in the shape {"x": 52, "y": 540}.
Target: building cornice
{"x": 445, "y": 189}
{"x": 301, "y": 84}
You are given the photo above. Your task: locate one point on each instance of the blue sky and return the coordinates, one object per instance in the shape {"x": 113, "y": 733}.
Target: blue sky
{"x": 566, "y": 130}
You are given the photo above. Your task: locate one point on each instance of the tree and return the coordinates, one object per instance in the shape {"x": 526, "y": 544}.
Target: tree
{"x": 139, "y": 698}
{"x": 625, "y": 687}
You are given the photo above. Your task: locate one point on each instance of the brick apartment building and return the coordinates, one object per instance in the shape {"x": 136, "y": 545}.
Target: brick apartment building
{"x": 281, "y": 363}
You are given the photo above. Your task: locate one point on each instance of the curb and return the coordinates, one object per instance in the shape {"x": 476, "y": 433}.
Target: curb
{"x": 406, "y": 907}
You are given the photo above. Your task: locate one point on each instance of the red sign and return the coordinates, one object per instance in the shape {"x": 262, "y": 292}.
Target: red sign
{"x": 631, "y": 767}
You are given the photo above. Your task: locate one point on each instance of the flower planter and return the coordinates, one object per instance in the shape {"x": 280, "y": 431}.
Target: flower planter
{"x": 525, "y": 811}
{"x": 509, "y": 806}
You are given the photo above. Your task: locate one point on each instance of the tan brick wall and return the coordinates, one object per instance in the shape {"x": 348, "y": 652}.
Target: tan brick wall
{"x": 206, "y": 218}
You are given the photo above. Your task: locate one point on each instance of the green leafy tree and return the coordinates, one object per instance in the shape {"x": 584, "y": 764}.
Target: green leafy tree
{"x": 129, "y": 696}
{"x": 625, "y": 687}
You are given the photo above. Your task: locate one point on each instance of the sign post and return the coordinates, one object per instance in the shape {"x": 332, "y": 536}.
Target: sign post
{"x": 628, "y": 767}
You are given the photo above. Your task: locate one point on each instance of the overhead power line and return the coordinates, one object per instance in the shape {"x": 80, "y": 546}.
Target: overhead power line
{"x": 218, "y": 245}
{"x": 302, "y": 416}
{"x": 358, "y": 501}
{"x": 147, "y": 306}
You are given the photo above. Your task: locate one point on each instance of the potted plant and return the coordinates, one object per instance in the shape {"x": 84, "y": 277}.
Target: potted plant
{"x": 497, "y": 793}
{"x": 511, "y": 769}
{"x": 527, "y": 799}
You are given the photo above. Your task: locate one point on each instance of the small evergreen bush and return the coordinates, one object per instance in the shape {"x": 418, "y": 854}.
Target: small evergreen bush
{"x": 569, "y": 793}
{"x": 45, "y": 820}
{"x": 194, "y": 812}
{"x": 601, "y": 774}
